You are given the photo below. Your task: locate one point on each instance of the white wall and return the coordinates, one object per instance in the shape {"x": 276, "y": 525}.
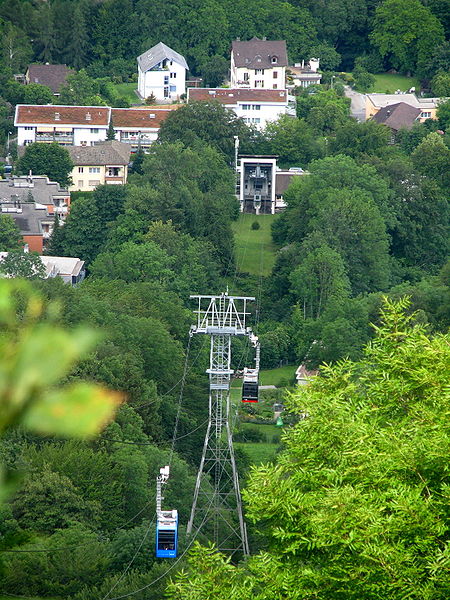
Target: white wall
{"x": 267, "y": 77}
{"x": 85, "y": 134}
{"x": 153, "y": 82}
{"x": 266, "y": 112}
{"x": 25, "y": 136}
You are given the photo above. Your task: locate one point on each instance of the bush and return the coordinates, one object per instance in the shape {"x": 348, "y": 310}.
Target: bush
{"x": 256, "y": 225}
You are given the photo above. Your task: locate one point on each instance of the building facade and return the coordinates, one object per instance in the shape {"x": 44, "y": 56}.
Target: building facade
{"x": 303, "y": 76}
{"x": 427, "y": 106}
{"x": 162, "y": 73}
{"x": 104, "y": 163}
{"x": 66, "y": 125}
{"x": 256, "y": 107}
{"x": 259, "y": 64}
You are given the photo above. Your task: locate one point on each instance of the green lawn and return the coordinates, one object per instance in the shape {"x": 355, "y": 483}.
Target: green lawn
{"x": 126, "y": 90}
{"x": 390, "y": 83}
{"x": 258, "y": 453}
{"x": 275, "y": 376}
{"x": 255, "y": 253}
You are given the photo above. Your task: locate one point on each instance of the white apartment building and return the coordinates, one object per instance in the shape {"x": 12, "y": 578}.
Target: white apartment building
{"x": 67, "y": 125}
{"x": 259, "y": 64}
{"x": 162, "y": 72}
{"x": 257, "y": 107}
{"x": 88, "y": 125}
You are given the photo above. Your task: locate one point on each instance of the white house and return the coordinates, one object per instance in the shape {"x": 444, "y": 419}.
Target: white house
{"x": 139, "y": 127}
{"x": 305, "y": 75}
{"x": 256, "y": 107}
{"x": 67, "y": 125}
{"x": 162, "y": 72}
{"x": 259, "y": 64}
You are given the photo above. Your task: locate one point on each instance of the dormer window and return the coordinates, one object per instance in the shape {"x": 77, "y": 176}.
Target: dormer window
{"x": 57, "y": 116}
{"x": 274, "y": 60}
{"x": 88, "y": 116}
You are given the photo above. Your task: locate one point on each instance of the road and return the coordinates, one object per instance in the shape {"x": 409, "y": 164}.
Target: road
{"x": 358, "y": 105}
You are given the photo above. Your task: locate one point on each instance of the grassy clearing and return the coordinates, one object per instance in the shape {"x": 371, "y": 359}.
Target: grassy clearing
{"x": 390, "y": 83}
{"x": 255, "y": 252}
{"x": 126, "y": 90}
{"x": 258, "y": 453}
{"x": 277, "y": 376}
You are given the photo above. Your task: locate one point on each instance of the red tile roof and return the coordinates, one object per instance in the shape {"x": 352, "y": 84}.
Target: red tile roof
{"x": 140, "y": 117}
{"x": 61, "y": 115}
{"x": 233, "y": 96}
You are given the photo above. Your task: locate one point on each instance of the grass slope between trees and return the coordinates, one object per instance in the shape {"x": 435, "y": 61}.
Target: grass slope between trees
{"x": 254, "y": 250}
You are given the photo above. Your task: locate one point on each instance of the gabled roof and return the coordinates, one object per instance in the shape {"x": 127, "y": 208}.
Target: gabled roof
{"x": 110, "y": 152}
{"x": 140, "y": 118}
{"x": 53, "y": 76}
{"x": 155, "y": 55}
{"x": 48, "y": 114}
{"x": 397, "y": 116}
{"x": 233, "y": 96}
{"x": 257, "y": 54}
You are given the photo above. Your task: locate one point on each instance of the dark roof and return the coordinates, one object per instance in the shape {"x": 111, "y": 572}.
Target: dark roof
{"x": 156, "y": 54}
{"x": 49, "y": 114}
{"x": 30, "y": 220}
{"x": 54, "y": 76}
{"x": 232, "y": 96}
{"x": 140, "y": 117}
{"x": 110, "y": 152}
{"x": 40, "y": 188}
{"x": 257, "y": 54}
{"x": 397, "y": 116}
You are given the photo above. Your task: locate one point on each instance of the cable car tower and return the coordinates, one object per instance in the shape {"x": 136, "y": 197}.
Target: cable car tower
{"x": 220, "y": 317}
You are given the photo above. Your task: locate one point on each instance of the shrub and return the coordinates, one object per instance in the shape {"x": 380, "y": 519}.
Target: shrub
{"x": 256, "y": 225}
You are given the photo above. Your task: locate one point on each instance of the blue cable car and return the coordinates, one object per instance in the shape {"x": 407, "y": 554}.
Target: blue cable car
{"x": 167, "y": 534}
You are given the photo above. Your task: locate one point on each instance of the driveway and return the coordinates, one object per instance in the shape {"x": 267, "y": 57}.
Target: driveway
{"x": 358, "y": 105}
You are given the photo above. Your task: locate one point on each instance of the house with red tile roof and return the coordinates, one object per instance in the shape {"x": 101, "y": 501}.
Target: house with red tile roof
{"x": 257, "y": 107}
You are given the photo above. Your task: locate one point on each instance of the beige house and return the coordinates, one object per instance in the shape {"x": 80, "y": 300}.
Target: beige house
{"x": 427, "y": 106}
{"x": 259, "y": 64}
{"x": 104, "y": 163}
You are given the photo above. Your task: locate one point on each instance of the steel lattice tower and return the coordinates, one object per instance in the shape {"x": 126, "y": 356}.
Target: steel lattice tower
{"x": 220, "y": 317}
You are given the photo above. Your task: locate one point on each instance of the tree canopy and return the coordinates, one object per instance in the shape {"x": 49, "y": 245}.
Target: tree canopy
{"x": 47, "y": 159}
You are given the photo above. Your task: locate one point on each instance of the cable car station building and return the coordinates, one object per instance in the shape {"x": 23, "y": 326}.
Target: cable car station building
{"x": 261, "y": 183}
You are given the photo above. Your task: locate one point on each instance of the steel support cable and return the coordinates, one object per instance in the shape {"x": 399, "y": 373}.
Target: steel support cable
{"x": 153, "y": 443}
{"x": 79, "y": 545}
{"x": 180, "y": 399}
{"x": 133, "y": 559}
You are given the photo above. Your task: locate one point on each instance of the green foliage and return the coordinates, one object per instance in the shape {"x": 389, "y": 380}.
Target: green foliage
{"x": 22, "y": 264}
{"x": 440, "y": 84}
{"x": 214, "y": 70}
{"x": 255, "y": 225}
{"x": 355, "y": 138}
{"x": 10, "y": 238}
{"x": 47, "y": 159}
{"x": 33, "y": 93}
{"x": 209, "y": 122}
{"x": 324, "y": 110}
{"x": 432, "y": 158}
{"x": 360, "y": 492}
{"x": 443, "y": 114}
{"x": 406, "y": 32}
{"x": 80, "y": 89}
{"x": 363, "y": 80}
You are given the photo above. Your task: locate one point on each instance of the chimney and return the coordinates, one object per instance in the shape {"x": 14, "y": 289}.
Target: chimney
{"x": 264, "y": 39}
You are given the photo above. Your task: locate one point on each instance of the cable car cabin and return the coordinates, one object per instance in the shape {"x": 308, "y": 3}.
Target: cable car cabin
{"x": 250, "y": 385}
{"x": 167, "y": 534}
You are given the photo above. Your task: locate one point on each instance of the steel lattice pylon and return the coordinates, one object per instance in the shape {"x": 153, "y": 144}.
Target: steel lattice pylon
{"x": 220, "y": 317}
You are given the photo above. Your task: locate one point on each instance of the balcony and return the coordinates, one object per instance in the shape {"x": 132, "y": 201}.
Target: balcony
{"x": 136, "y": 139}
{"x": 49, "y": 137}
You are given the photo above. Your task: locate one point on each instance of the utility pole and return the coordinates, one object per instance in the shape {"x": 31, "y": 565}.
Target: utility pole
{"x": 220, "y": 317}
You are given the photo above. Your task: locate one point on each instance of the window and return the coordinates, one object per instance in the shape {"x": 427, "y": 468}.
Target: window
{"x": 259, "y": 71}
{"x": 94, "y": 169}
{"x": 80, "y": 169}
{"x": 29, "y": 128}
{"x": 256, "y": 120}
{"x": 246, "y": 106}
{"x": 94, "y": 182}
{"x": 259, "y": 83}
{"x": 166, "y": 79}
{"x": 246, "y": 76}
{"x": 173, "y": 76}
{"x": 274, "y": 60}
{"x": 94, "y": 130}
{"x": 26, "y": 142}
{"x": 275, "y": 86}
{"x": 425, "y": 115}
{"x": 275, "y": 74}
{"x": 80, "y": 183}
{"x": 113, "y": 171}
{"x": 256, "y": 106}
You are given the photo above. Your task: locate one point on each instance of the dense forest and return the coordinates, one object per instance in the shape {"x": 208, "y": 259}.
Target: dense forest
{"x": 355, "y": 506}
